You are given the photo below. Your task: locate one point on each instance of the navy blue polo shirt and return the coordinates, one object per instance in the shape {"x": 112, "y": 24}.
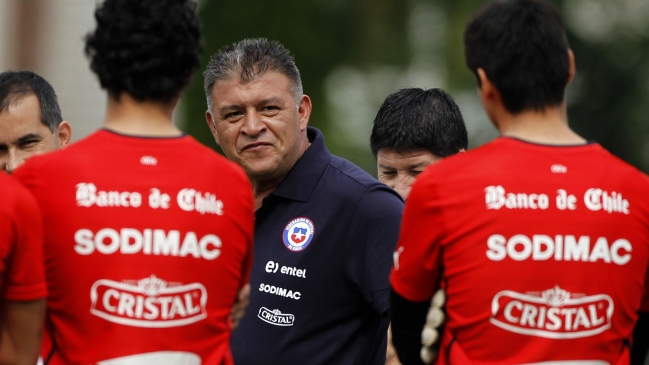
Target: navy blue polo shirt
{"x": 322, "y": 256}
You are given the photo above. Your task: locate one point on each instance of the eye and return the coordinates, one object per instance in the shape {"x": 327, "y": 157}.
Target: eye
{"x": 270, "y": 109}
{"x": 28, "y": 143}
{"x": 388, "y": 173}
{"x": 233, "y": 115}
{"x": 416, "y": 173}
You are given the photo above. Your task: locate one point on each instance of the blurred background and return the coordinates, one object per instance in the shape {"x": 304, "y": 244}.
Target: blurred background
{"x": 352, "y": 54}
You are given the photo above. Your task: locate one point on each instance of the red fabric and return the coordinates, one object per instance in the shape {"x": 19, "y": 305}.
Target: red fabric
{"x": 22, "y": 276}
{"x": 513, "y": 295}
{"x": 130, "y": 270}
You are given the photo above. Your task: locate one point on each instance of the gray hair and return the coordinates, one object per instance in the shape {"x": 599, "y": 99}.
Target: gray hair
{"x": 249, "y": 59}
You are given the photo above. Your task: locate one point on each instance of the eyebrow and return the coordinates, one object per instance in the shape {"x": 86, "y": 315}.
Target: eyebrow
{"x": 420, "y": 164}
{"x": 235, "y": 107}
{"x": 27, "y": 137}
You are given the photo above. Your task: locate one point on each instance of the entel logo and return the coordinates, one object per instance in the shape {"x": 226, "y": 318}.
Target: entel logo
{"x": 555, "y": 314}
{"x": 149, "y": 304}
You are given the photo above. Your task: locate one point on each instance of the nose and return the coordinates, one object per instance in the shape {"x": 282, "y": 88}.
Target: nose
{"x": 402, "y": 186}
{"x": 253, "y": 125}
{"x": 13, "y": 161}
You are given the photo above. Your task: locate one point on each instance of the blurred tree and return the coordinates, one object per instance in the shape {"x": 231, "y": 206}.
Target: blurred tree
{"x": 353, "y": 53}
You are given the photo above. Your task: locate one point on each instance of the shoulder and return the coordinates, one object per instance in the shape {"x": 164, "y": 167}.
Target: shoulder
{"x": 356, "y": 185}
{"x": 214, "y": 160}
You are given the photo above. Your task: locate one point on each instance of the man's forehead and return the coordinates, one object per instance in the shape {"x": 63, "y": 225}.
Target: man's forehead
{"x": 389, "y": 157}
{"x": 270, "y": 82}
{"x": 21, "y": 118}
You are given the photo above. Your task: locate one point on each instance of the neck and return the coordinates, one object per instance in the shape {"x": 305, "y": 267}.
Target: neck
{"x": 549, "y": 126}
{"x": 140, "y": 118}
{"x": 262, "y": 191}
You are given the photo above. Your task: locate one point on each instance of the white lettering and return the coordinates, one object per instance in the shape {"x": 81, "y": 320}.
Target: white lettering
{"x": 108, "y": 241}
{"x": 597, "y": 199}
{"x": 192, "y": 200}
{"x": 562, "y": 248}
{"x": 87, "y": 195}
{"x": 496, "y": 245}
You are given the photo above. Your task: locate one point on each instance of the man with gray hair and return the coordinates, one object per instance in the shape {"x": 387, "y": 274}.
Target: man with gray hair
{"x": 324, "y": 229}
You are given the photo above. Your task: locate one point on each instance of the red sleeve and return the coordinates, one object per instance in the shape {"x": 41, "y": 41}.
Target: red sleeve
{"x": 249, "y": 225}
{"x": 25, "y": 276}
{"x": 416, "y": 273}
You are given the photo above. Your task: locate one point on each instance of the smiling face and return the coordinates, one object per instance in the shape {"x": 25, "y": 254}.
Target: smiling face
{"x": 260, "y": 125}
{"x": 22, "y": 134}
{"x": 399, "y": 170}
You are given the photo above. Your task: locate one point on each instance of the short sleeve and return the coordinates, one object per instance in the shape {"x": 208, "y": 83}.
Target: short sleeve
{"x": 25, "y": 275}
{"x": 417, "y": 258}
{"x": 373, "y": 235}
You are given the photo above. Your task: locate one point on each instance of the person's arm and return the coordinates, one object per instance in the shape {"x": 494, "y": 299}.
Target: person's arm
{"x": 240, "y": 305}
{"x": 375, "y": 230}
{"x": 640, "y": 348}
{"x": 417, "y": 270}
{"x": 408, "y": 320}
{"x": 21, "y": 326}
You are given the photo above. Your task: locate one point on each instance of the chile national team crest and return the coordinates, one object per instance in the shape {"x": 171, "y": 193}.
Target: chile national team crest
{"x": 298, "y": 233}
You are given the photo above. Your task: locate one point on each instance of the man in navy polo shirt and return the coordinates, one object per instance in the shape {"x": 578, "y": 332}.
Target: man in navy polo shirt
{"x": 325, "y": 230}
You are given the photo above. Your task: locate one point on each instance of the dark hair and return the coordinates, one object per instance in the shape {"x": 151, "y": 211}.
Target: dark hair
{"x": 414, "y": 118}
{"x": 249, "y": 59}
{"x": 16, "y": 85}
{"x": 522, "y": 47}
{"x": 145, "y": 48}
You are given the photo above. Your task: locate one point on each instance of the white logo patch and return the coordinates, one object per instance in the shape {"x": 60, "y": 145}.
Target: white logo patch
{"x": 555, "y": 313}
{"x": 152, "y": 303}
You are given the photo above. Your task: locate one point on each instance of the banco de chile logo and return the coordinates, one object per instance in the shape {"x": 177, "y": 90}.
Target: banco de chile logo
{"x": 298, "y": 234}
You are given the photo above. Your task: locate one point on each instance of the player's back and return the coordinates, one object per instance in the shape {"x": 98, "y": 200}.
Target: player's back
{"x": 147, "y": 243}
{"x": 544, "y": 249}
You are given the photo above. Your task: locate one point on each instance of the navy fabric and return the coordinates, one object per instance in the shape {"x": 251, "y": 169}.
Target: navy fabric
{"x": 326, "y": 302}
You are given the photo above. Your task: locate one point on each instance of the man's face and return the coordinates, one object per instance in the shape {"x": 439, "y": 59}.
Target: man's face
{"x": 399, "y": 170}
{"x": 22, "y": 134}
{"x": 260, "y": 125}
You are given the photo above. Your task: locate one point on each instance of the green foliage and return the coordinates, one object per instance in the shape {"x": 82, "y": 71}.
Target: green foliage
{"x": 373, "y": 38}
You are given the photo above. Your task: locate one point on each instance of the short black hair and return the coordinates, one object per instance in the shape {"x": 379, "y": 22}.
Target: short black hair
{"x": 249, "y": 59}
{"x": 414, "y": 118}
{"x": 522, "y": 47}
{"x": 145, "y": 48}
{"x": 15, "y": 85}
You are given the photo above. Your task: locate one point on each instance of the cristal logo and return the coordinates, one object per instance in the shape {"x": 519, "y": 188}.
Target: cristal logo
{"x": 152, "y": 303}
{"x": 275, "y": 317}
{"x": 556, "y": 314}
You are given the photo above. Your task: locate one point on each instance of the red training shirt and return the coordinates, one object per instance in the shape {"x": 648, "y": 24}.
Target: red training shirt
{"x": 22, "y": 277}
{"x": 147, "y": 242}
{"x": 543, "y": 250}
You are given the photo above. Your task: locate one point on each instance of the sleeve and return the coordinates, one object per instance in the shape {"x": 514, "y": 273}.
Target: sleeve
{"x": 417, "y": 259}
{"x": 250, "y": 233}
{"x": 408, "y": 319}
{"x": 25, "y": 277}
{"x": 640, "y": 346}
{"x": 373, "y": 236}
{"x": 245, "y": 218}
